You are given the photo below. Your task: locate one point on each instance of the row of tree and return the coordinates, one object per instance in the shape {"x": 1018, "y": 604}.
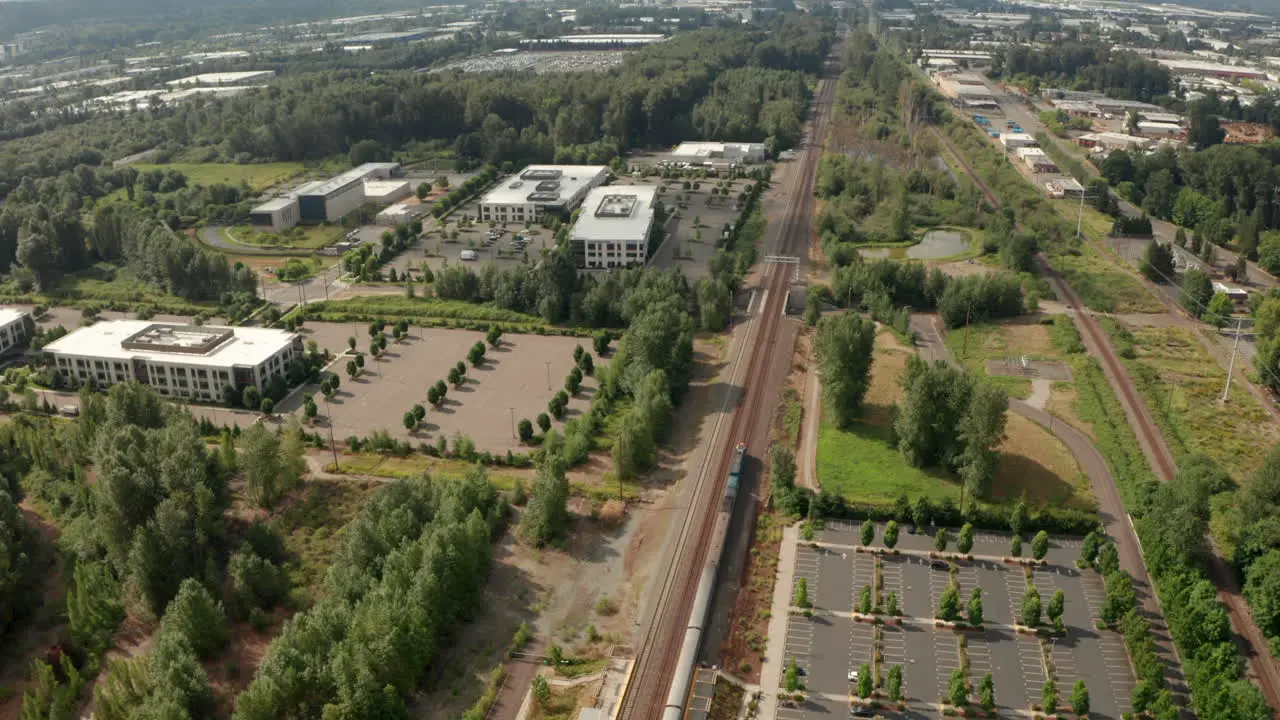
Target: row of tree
{"x": 960, "y": 301}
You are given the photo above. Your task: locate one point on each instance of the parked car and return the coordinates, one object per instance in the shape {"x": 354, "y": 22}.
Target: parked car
{"x": 469, "y": 255}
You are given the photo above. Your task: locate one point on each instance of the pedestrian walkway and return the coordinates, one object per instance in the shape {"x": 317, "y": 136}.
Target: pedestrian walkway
{"x": 771, "y": 670}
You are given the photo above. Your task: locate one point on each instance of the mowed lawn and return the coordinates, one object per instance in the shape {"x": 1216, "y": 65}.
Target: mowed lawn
{"x": 258, "y": 175}
{"x": 861, "y": 465}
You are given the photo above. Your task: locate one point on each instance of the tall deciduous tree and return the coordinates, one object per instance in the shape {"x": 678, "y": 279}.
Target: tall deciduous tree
{"x": 546, "y": 519}
{"x": 844, "y": 345}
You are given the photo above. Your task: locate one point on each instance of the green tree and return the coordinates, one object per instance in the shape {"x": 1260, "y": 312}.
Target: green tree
{"x": 987, "y": 693}
{"x": 197, "y": 617}
{"x": 525, "y": 429}
{"x": 868, "y": 532}
{"x": 261, "y": 464}
{"x": 865, "y": 603}
{"x": 891, "y": 604}
{"x": 587, "y": 365}
{"x": 975, "y": 607}
{"x": 792, "y": 677}
{"x": 921, "y": 512}
{"x": 844, "y": 345}
{"x": 455, "y": 378}
{"x": 1219, "y": 311}
{"x": 958, "y": 688}
{"x": 546, "y": 519}
{"x": 1057, "y": 604}
{"x": 1049, "y": 697}
{"x": 964, "y": 541}
{"x": 1108, "y": 559}
{"x": 409, "y": 421}
{"x": 981, "y": 429}
{"x": 1031, "y": 607}
{"x": 1080, "y": 699}
{"x": 1040, "y": 545}
{"x": 1015, "y": 546}
{"x": 893, "y": 687}
{"x": 1019, "y": 516}
{"x": 1121, "y": 597}
{"x": 541, "y": 690}
{"x": 866, "y": 681}
{"x": 1262, "y": 590}
{"x": 493, "y": 336}
{"x": 600, "y": 342}
{"x": 812, "y": 307}
{"x": 1157, "y": 263}
{"x": 949, "y": 603}
{"x": 544, "y": 422}
{"x": 940, "y": 540}
{"x": 891, "y": 534}
{"x": 802, "y": 593}
{"x": 475, "y": 355}
{"x": 1197, "y": 290}
{"x": 573, "y": 381}
{"x": 1089, "y": 548}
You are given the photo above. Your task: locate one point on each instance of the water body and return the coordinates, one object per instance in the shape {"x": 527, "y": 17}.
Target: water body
{"x": 939, "y": 244}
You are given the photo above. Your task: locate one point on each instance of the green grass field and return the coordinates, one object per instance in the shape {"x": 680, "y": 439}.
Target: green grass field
{"x": 258, "y": 176}
{"x": 1101, "y": 283}
{"x": 1182, "y": 386}
{"x": 300, "y": 237}
{"x": 863, "y": 467}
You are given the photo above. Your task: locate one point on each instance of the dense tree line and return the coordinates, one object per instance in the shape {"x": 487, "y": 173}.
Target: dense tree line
{"x": 1173, "y": 525}
{"x": 405, "y": 578}
{"x": 17, "y": 549}
{"x": 948, "y": 418}
{"x": 1086, "y": 66}
{"x": 844, "y": 345}
{"x": 493, "y": 118}
{"x": 887, "y": 288}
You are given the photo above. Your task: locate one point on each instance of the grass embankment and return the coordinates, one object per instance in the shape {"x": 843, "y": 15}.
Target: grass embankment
{"x": 863, "y": 465}
{"x": 106, "y": 286}
{"x": 432, "y": 311}
{"x": 1100, "y": 282}
{"x": 1181, "y": 385}
{"x": 258, "y": 176}
{"x": 299, "y": 237}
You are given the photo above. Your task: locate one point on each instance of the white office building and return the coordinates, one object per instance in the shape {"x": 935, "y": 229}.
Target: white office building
{"x": 539, "y": 189}
{"x": 385, "y": 192}
{"x": 400, "y": 213}
{"x": 181, "y": 361}
{"x": 15, "y": 328}
{"x": 613, "y": 228}
{"x": 277, "y": 213}
{"x": 718, "y": 153}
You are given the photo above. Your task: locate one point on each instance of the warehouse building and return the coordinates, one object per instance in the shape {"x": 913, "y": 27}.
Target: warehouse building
{"x": 182, "y": 361}
{"x": 539, "y": 189}
{"x": 613, "y": 228}
{"x": 224, "y": 78}
{"x": 279, "y": 214}
{"x": 1013, "y": 141}
{"x": 400, "y": 213}
{"x": 1108, "y": 141}
{"x": 1154, "y": 129}
{"x": 1037, "y": 160}
{"x": 333, "y": 199}
{"x": 385, "y": 192}
{"x": 16, "y": 327}
{"x": 718, "y": 154}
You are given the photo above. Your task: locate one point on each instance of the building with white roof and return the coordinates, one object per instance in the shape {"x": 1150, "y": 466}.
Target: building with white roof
{"x": 1108, "y": 141}
{"x": 718, "y": 153}
{"x": 613, "y": 228}
{"x": 224, "y": 78}
{"x": 15, "y": 328}
{"x": 1036, "y": 159}
{"x": 1015, "y": 140}
{"x": 277, "y": 213}
{"x": 1151, "y": 128}
{"x": 539, "y": 189}
{"x": 400, "y": 213}
{"x": 182, "y": 361}
{"x": 385, "y": 192}
{"x": 337, "y": 197}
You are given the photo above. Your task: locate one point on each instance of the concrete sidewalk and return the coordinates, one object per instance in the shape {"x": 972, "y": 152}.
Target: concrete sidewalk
{"x": 771, "y": 671}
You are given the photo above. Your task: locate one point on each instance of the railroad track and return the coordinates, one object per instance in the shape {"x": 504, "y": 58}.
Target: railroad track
{"x": 1248, "y": 636}
{"x": 657, "y": 654}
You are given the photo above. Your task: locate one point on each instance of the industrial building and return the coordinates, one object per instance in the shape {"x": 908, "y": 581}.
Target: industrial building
{"x": 1211, "y": 69}
{"x": 966, "y": 90}
{"x": 279, "y": 214}
{"x": 539, "y": 189}
{"x": 718, "y": 153}
{"x": 1015, "y": 140}
{"x": 1108, "y": 141}
{"x": 15, "y": 328}
{"x": 613, "y": 228}
{"x": 1036, "y": 159}
{"x": 385, "y": 192}
{"x": 333, "y": 199}
{"x": 224, "y": 78}
{"x": 400, "y": 213}
{"x": 1063, "y": 188}
{"x": 1153, "y": 129}
{"x": 183, "y": 361}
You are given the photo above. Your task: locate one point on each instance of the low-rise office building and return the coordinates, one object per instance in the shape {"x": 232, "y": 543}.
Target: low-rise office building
{"x": 333, "y": 199}
{"x": 16, "y": 327}
{"x": 539, "y": 189}
{"x": 385, "y": 192}
{"x": 613, "y": 228}
{"x": 183, "y": 361}
{"x": 400, "y": 213}
{"x": 718, "y": 153}
{"x": 277, "y": 213}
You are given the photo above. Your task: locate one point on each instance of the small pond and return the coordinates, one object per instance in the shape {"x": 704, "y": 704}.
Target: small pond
{"x": 935, "y": 244}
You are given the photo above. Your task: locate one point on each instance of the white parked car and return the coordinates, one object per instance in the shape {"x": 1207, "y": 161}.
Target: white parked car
{"x": 469, "y": 255}
{"x": 853, "y": 676}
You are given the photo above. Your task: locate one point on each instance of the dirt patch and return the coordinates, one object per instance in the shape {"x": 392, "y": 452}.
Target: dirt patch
{"x": 886, "y": 367}
{"x": 966, "y": 268}
{"x": 743, "y": 651}
{"x": 565, "y": 702}
{"x": 1062, "y": 403}
{"x": 1034, "y": 463}
{"x": 1032, "y": 369}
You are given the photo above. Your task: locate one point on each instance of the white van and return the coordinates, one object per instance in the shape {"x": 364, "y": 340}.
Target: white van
{"x": 469, "y": 255}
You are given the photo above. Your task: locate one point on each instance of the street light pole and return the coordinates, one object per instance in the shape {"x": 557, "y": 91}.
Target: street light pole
{"x": 328, "y": 418}
{"x": 1231, "y": 365}
{"x": 548, "y": 363}
{"x": 513, "y": 422}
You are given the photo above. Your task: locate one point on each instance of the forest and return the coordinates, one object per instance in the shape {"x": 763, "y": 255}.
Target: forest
{"x": 1074, "y": 65}
{"x": 652, "y": 100}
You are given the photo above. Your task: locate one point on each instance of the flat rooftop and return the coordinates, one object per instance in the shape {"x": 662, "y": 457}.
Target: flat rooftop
{"x": 696, "y": 148}
{"x": 8, "y": 315}
{"x": 208, "y": 346}
{"x": 324, "y": 187}
{"x": 223, "y": 78}
{"x": 544, "y": 184}
{"x": 275, "y": 204}
{"x": 620, "y": 213}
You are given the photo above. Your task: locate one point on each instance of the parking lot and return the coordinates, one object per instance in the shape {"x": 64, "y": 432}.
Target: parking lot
{"x": 829, "y": 644}
{"x": 515, "y": 382}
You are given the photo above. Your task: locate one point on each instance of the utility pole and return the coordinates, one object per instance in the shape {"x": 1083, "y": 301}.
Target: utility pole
{"x": 968, "y": 317}
{"x": 328, "y": 420}
{"x": 513, "y": 422}
{"x": 1231, "y": 365}
{"x": 548, "y": 363}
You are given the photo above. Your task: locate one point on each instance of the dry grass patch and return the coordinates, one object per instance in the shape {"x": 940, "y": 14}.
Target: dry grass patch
{"x": 1033, "y": 462}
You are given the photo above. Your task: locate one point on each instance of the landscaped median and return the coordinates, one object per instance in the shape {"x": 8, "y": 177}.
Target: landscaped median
{"x": 434, "y": 312}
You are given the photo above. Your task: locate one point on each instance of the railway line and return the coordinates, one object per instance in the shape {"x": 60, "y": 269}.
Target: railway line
{"x": 658, "y": 653}
{"x": 1254, "y": 646}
